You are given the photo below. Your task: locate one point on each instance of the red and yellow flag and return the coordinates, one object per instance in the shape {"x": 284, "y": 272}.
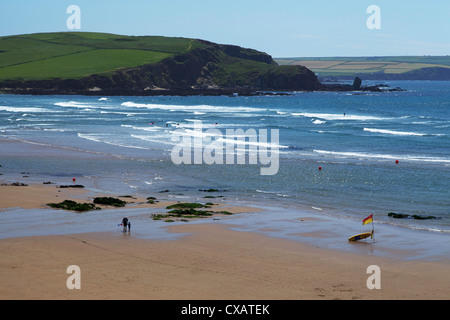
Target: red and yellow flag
{"x": 367, "y": 220}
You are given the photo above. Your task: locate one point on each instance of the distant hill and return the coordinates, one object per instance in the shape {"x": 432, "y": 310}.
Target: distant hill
{"x": 101, "y": 63}
{"x": 376, "y": 68}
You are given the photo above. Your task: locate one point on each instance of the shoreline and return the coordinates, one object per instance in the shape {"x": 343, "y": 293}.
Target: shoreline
{"x": 184, "y": 92}
{"x": 26, "y": 208}
{"x": 289, "y": 221}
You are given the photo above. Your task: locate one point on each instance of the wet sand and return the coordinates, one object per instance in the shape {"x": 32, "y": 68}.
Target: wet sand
{"x": 37, "y": 196}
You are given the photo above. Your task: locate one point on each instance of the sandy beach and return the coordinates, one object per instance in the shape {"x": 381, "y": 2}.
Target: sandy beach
{"x": 211, "y": 263}
{"x": 208, "y": 261}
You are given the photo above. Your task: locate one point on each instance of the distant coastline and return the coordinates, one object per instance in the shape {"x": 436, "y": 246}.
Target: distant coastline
{"x": 232, "y": 92}
{"x": 433, "y": 68}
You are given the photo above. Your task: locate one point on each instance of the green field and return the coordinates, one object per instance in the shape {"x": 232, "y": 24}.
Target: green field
{"x": 350, "y": 66}
{"x": 73, "y": 55}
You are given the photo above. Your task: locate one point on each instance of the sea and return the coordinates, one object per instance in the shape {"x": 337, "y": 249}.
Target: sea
{"x": 340, "y": 154}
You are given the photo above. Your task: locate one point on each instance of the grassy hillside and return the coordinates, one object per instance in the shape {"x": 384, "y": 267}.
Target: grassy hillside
{"x": 73, "y": 55}
{"x": 350, "y": 66}
{"x": 82, "y": 63}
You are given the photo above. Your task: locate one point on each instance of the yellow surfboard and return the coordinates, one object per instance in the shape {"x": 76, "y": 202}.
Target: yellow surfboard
{"x": 360, "y": 236}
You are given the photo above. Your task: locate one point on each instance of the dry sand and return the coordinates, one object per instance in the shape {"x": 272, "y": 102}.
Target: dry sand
{"x": 212, "y": 262}
{"x": 37, "y": 196}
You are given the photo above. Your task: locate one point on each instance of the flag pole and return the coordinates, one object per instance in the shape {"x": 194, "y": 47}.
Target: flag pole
{"x": 373, "y": 230}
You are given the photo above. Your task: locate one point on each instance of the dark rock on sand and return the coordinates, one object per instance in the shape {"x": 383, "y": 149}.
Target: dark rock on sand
{"x": 75, "y": 206}
{"x": 71, "y": 186}
{"x": 407, "y": 216}
{"x": 423, "y": 217}
{"x": 398, "y": 215}
{"x": 109, "y": 201}
{"x": 16, "y": 184}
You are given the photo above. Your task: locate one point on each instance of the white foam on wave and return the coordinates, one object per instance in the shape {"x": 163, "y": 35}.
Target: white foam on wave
{"x": 334, "y": 116}
{"x": 55, "y": 130}
{"x": 80, "y": 105}
{"x": 194, "y": 108}
{"x": 150, "y": 129}
{"x": 263, "y": 191}
{"x": 90, "y": 137}
{"x": 23, "y": 110}
{"x": 206, "y": 137}
{"x": 128, "y": 114}
{"x": 154, "y": 139}
{"x": 236, "y": 139}
{"x": 396, "y": 133}
{"x": 72, "y": 104}
{"x": 100, "y": 139}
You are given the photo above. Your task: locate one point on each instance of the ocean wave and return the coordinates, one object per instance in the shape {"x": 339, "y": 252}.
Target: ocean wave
{"x": 364, "y": 155}
{"x": 281, "y": 195}
{"x": 392, "y": 132}
{"x": 55, "y": 130}
{"x": 240, "y": 142}
{"x": 100, "y": 139}
{"x": 72, "y": 104}
{"x": 233, "y": 139}
{"x": 334, "y": 116}
{"x": 279, "y": 112}
{"x": 194, "y": 108}
{"x": 191, "y": 123}
{"x": 24, "y": 110}
{"x": 155, "y": 139}
{"x": 259, "y": 144}
{"x": 263, "y": 191}
{"x": 80, "y": 105}
{"x": 151, "y": 129}
{"x": 128, "y": 114}
{"x": 90, "y": 137}
{"x": 402, "y": 133}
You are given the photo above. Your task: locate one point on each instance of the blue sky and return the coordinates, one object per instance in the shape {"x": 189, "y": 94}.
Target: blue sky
{"x": 283, "y": 28}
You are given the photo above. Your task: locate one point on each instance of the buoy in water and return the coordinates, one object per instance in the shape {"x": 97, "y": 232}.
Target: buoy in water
{"x": 74, "y": 179}
{"x": 320, "y": 168}
{"x": 396, "y": 161}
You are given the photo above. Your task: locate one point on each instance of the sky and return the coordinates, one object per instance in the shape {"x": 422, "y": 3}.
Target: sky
{"x": 282, "y": 28}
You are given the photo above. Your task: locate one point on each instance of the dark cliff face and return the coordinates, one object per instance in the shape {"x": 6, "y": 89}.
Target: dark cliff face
{"x": 298, "y": 78}
{"x": 212, "y": 69}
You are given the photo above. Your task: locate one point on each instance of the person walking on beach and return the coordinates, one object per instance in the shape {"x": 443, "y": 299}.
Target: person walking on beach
{"x": 125, "y": 224}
